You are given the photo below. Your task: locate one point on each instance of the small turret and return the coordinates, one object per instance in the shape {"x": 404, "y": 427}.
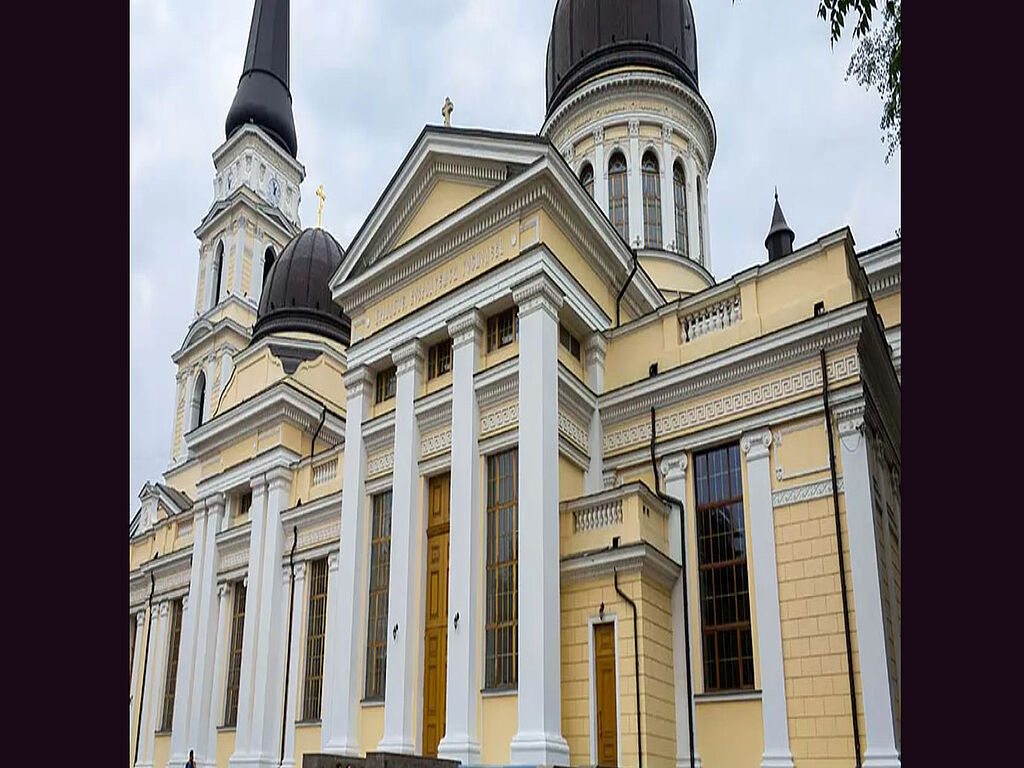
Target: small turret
{"x": 780, "y": 237}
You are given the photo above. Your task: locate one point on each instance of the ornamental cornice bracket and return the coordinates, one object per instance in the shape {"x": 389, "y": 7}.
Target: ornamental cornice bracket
{"x": 755, "y": 444}
{"x": 594, "y": 349}
{"x": 333, "y": 560}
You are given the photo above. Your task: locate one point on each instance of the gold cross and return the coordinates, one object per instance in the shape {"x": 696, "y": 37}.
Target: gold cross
{"x": 446, "y": 110}
{"x": 320, "y": 209}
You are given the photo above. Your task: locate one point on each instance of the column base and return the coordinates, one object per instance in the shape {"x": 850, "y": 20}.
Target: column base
{"x": 396, "y": 747}
{"x": 881, "y": 760}
{"x": 250, "y": 761}
{"x": 778, "y": 760}
{"x": 684, "y": 762}
{"x": 539, "y": 749}
{"x": 461, "y": 749}
{"x": 342, "y": 748}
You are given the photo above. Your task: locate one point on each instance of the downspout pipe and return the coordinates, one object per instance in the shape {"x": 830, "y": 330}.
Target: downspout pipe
{"x": 618, "y": 299}
{"x": 312, "y": 445}
{"x": 145, "y": 662}
{"x": 842, "y": 564}
{"x": 288, "y": 629}
{"x": 636, "y": 667}
{"x": 686, "y": 590}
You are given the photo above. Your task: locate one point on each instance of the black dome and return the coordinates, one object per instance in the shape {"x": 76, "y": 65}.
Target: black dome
{"x": 297, "y": 294}
{"x": 592, "y": 36}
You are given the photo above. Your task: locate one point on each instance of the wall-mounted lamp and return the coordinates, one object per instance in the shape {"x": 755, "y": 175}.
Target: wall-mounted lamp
{"x": 455, "y": 620}
{"x": 394, "y": 632}
{"x": 600, "y": 611}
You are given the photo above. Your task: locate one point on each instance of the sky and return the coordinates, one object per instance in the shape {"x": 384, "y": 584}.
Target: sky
{"x": 367, "y": 75}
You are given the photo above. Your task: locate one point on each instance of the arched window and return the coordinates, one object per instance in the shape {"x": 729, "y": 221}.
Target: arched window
{"x": 679, "y": 193}
{"x": 652, "y": 200}
{"x": 218, "y": 271}
{"x": 618, "y": 203}
{"x": 268, "y": 262}
{"x": 198, "y": 400}
{"x": 700, "y": 222}
{"x": 587, "y": 178}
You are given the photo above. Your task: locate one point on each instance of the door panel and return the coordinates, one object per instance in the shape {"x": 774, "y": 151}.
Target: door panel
{"x": 604, "y": 688}
{"x": 435, "y": 663}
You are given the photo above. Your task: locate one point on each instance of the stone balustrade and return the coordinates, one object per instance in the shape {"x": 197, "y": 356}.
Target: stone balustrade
{"x": 632, "y": 512}
{"x": 711, "y": 318}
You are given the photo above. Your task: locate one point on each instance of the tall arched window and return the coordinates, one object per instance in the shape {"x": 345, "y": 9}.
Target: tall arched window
{"x": 700, "y": 222}
{"x": 268, "y": 262}
{"x": 218, "y": 271}
{"x": 679, "y": 193}
{"x": 652, "y": 200}
{"x": 198, "y": 400}
{"x": 587, "y": 178}
{"x": 618, "y": 203}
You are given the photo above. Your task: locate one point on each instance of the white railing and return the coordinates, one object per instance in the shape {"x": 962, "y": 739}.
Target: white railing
{"x": 600, "y": 515}
{"x": 325, "y": 471}
{"x": 711, "y": 318}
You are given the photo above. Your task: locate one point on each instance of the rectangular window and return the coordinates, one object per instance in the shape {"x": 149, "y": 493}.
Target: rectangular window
{"x": 502, "y": 329}
{"x": 439, "y": 359}
{"x": 171, "y": 679}
{"x": 722, "y": 566}
{"x": 244, "y": 504}
{"x": 235, "y": 654}
{"x": 316, "y": 626}
{"x": 567, "y": 340}
{"x": 386, "y": 384}
{"x": 377, "y": 613}
{"x": 502, "y": 651}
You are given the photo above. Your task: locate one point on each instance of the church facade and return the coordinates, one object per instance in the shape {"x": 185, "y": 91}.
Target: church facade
{"x": 516, "y": 479}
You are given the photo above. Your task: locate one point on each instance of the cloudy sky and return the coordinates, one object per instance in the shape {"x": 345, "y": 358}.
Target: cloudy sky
{"x": 366, "y": 75}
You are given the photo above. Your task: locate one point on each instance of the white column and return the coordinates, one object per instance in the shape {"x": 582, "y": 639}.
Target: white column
{"x": 154, "y": 685}
{"x": 668, "y": 203}
{"x": 600, "y": 171}
{"x": 703, "y": 212}
{"x": 179, "y": 396}
{"x": 673, "y": 469}
{"x": 250, "y": 630}
{"x": 766, "y": 583}
{"x": 635, "y": 188}
{"x": 692, "y": 230}
{"x": 215, "y": 698}
{"x": 340, "y": 735}
{"x": 268, "y": 689}
{"x": 292, "y": 703}
{"x": 407, "y": 533}
{"x": 596, "y": 346}
{"x": 330, "y": 632}
{"x": 240, "y": 239}
{"x": 202, "y": 285}
{"x": 880, "y": 731}
{"x": 461, "y": 740}
{"x": 539, "y": 739}
{"x": 140, "y": 623}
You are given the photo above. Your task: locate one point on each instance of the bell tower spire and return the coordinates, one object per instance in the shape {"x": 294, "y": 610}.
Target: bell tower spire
{"x": 263, "y": 95}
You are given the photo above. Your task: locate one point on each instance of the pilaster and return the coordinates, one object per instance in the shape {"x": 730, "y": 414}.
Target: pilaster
{"x": 215, "y": 697}
{"x": 635, "y": 188}
{"x": 692, "y": 228}
{"x": 154, "y": 684}
{"x": 600, "y": 171}
{"x": 140, "y": 624}
{"x": 594, "y": 351}
{"x": 668, "y": 207}
{"x": 330, "y": 632}
{"x": 407, "y": 534}
{"x": 777, "y": 753}
{"x": 539, "y": 738}
{"x": 292, "y": 703}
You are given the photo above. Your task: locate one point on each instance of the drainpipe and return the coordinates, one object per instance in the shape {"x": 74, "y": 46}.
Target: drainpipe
{"x": 686, "y": 589}
{"x": 312, "y": 445}
{"x": 145, "y": 660}
{"x": 842, "y": 565}
{"x": 636, "y": 666}
{"x": 288, "y": 629}
{"x": 624, "y": 287}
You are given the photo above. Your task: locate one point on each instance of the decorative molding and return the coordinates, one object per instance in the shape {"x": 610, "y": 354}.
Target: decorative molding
{"x": 540, "y": 292}
{"x": 710, "y": 318}
{"x": 674, "y": 467}
{"x": 500, "y": 418}
{"x": 380, "y": 464}
{"x": 574, "y": 432}
{"x": 325, "y": 471}
{"x": 438, "y": 442}
{"x": 466, "y": 328}
{"x": 497, "y": 384}
{"x": 315, "y": 535}
{"x": 358, "y": 381}
{"x": 805, "y": 492}
{"x": 408, "y": 356}
{"x": 601, "y": 515}
{"x": 642, "y": 558}
{"x": 755, "y": 444}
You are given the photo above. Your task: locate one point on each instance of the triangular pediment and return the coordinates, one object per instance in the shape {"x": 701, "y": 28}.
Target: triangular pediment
{"x": 444, "y": 170}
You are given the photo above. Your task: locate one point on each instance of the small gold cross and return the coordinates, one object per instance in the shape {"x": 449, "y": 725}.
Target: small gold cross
{"x": 320, "y": 209}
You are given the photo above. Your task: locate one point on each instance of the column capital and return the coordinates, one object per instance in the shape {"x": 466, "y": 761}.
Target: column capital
{"x": 467, "y": 327}
{"x": 258, "y": 485}
{"x": 333, "y": 558}
{"x": 666, "y": 134}
{"x": 755, "y": 444}
{"x": 245, "y": 581}
{"x": 674, "y": 467}
{"x": 140, "y": 617}
{"x": 300, "y": 570}
{"x": 634, "y": 127}
{"x": 279, "y": 478}
{"x": 609, "y": 478}
{"x": 594, "y": 349}
{"x": 408, "y": 356}
{"x": 599, "y": 135}
{"x": 212, "y": 503}
{"x": 851, "y": 419}
{"x": 163, "y": 607}
{"x": 184, "y": 601}
{"x": 222, "y": 590}
{"x": 539, "y": 292}
{"x": 358, "y": 380}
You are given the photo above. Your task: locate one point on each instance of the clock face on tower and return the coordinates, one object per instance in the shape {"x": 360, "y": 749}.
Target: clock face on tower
{"x": 274, "y": 190}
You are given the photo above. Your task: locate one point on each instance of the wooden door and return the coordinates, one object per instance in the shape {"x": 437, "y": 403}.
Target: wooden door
{"x": 435, "y": 663}
{"x": 604, "y": 689}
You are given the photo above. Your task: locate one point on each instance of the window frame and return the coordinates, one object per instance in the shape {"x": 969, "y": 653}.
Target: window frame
{"x": 499, "y": 326}
{"x": 177, "y": 608}
{"x": 316, "y": 639}
{"x": 650, "y": 186}
{"x": 588, "y": 181}
{"x": 501, "y": 631}
{"x": 439, "y": 355}
{"x": 618, "y": 178}
{"x": 387, "y": 385}
{"x": 378, "y": 587}
{"x": 679, "y": 204}
{"x": 568, "y": 341}
{"x": 234, "y": 660}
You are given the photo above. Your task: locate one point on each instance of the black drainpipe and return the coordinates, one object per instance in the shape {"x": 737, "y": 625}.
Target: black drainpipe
{"x": 624, "y": 287}
{"x": 636, "y": 666}
{"x": 312, "y": 445}
{"x": 288, "y": 629}
{"x": 145, "y": 662}
{"x": 686, "y": 590}
{"x": 842, "y": 565}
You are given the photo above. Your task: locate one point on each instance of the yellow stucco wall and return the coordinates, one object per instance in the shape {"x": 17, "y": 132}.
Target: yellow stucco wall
{"x": 444, "y": 197}
{"x": 672, "y": 278}
{"x": 499, "y": 722}
{"x": 729, "y": 733}
{"x": 890, "y": 308}
{"x": 307, "y": 739}
{"x": 371, "y": 727}
{"x": 225, "y": 746}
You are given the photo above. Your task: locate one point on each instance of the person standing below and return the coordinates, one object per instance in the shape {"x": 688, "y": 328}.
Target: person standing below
{"x": 191, "y": 760}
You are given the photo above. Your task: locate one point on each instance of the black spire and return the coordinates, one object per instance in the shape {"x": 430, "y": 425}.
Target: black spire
{"x": 263, "y": 97}
{"x": 780, "y": 237}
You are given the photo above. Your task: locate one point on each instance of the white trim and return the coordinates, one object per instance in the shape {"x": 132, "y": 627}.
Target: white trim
{"x": 613, "y": 619}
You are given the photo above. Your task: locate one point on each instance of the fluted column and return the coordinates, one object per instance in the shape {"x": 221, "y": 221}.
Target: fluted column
{"x": 777, "y": 753}
{"x": 668, "y": 204}
{"x": 876, "y": 693}
{"x": 539, "y": 738}
{"x": 673, "y": 469}
{"x": 154, "y": 684}
{"x": 341, "y": 734}
{"x": 215, "y": 696}
{"x": 461, "y": 740}
{"x": 635, "y": 188}
{"x": 600, "y": 171}
{"x": 595, "y": 349}
{"x": 292, "y": 702}
{"x": 407, "y": 533}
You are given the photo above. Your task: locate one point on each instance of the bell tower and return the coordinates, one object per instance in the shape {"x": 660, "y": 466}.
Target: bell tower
{"x": 255, "y": 212}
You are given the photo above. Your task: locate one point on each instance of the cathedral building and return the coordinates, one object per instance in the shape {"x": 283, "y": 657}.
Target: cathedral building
{"x": 516, "y": 478}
